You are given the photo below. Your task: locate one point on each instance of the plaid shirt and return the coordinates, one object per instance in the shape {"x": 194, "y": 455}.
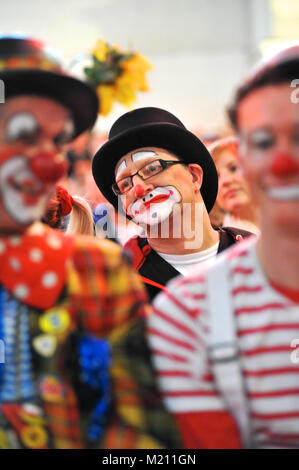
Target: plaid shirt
{"x": 101, "y": 296}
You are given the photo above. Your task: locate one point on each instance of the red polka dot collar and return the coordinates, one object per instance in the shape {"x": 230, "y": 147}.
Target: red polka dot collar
{"x": 33, "y": 265}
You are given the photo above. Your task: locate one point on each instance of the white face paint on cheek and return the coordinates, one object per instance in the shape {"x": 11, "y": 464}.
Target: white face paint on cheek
{"x": 156, "y": 206}
{"x": 23, "y": 196}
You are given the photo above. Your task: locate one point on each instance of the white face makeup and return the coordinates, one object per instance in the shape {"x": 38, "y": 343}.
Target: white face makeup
{"x": 156, "y": 206}
{"x": 31, "y": 129}
{"x": 143, "y": 155}
{"x": 24, "y": 126}
{"x": 121, "y": 167}
{"x": 21, "y": 125}
{"x": 135, "y": 157}
{"x": 24, "y": 197}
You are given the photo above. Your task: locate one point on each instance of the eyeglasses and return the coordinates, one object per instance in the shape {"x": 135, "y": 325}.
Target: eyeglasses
{"x": 146, "y": 172}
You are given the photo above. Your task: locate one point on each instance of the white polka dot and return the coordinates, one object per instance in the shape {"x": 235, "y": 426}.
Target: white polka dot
{"x": 36, "y": 255}
{"x": 54, "y": 242}
{"x": 49, "y": 279}
{"x": 32, "y": 409}
{"x": 15, "y": 264}
{"x": 15, "y": 240}
{"x": 2, "y": 247}
{"x": 21, "y": 291}
{"x": 37, "y": 229}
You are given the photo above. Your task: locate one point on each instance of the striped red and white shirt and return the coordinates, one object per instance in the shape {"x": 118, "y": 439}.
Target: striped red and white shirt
{"x": 267, "y": 325}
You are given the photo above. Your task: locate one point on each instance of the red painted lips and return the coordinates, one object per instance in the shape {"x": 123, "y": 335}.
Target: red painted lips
{"x": 156, "y": 200}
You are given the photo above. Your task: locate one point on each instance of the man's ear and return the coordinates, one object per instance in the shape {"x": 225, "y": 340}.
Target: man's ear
{"x": 197, "y": 175}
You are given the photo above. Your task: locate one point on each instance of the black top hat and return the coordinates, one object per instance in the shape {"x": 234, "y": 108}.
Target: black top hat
{"x": 29, "y": 67}
{"x": 146, "y": 127}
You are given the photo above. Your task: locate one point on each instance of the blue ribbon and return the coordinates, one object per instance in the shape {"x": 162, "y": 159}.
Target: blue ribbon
{"x": 94, "y": 356}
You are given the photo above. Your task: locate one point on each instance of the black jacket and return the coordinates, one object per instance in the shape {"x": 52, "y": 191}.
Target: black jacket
{"x": 155, "y": 272}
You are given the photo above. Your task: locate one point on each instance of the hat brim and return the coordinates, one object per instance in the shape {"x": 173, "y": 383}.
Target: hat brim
{"x": 75, "y": 95}
{"x": 170, "y": 137}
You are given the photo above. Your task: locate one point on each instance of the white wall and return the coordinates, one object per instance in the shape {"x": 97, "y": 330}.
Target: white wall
{"x": 195, "y": 86}
{"x": 199, "y": 48}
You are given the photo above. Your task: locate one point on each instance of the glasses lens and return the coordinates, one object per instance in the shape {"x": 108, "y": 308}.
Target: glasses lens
{"x": 115, "y": 189}
{"x": 124, "y": 185}
{"x": 150, "y": 169}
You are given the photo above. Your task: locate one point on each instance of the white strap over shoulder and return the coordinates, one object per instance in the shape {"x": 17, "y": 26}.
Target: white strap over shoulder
{"x": 223, "y": 347}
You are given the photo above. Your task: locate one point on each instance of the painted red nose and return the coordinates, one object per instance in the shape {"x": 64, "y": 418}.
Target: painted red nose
{"x": 284, "y": 165}
{"x": 48, "y": 167}
{"x": 139, "y": 190}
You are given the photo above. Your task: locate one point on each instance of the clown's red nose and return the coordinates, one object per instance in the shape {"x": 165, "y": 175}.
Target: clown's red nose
{"x": 139, "y": 190}
{"x": 284, "y": 165}
{"x": 48, "y": 167}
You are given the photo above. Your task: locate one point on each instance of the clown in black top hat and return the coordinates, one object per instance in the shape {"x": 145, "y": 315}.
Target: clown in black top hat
{"x": 55, "y": 289}
{"x": 30, "y": 67}
{"x": 43, "y": 109}
{"x": 166, "y": 181}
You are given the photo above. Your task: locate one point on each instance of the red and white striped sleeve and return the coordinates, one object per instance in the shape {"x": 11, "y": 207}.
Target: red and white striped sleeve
{"x": 177, "y": 331}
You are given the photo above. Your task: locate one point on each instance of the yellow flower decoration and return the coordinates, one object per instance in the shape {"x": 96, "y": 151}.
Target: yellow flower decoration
{"x": 100, "y": 50}
{"x": 124, "y": 90}
{"x": 106, "y": 95}
{"x": 136, "y": 68}
{"x": 117, "y": 75}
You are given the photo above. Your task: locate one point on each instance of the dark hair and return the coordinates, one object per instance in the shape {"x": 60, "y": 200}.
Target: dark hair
{"x": 272, "y": 73}
{"x": 53, "y": 216}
